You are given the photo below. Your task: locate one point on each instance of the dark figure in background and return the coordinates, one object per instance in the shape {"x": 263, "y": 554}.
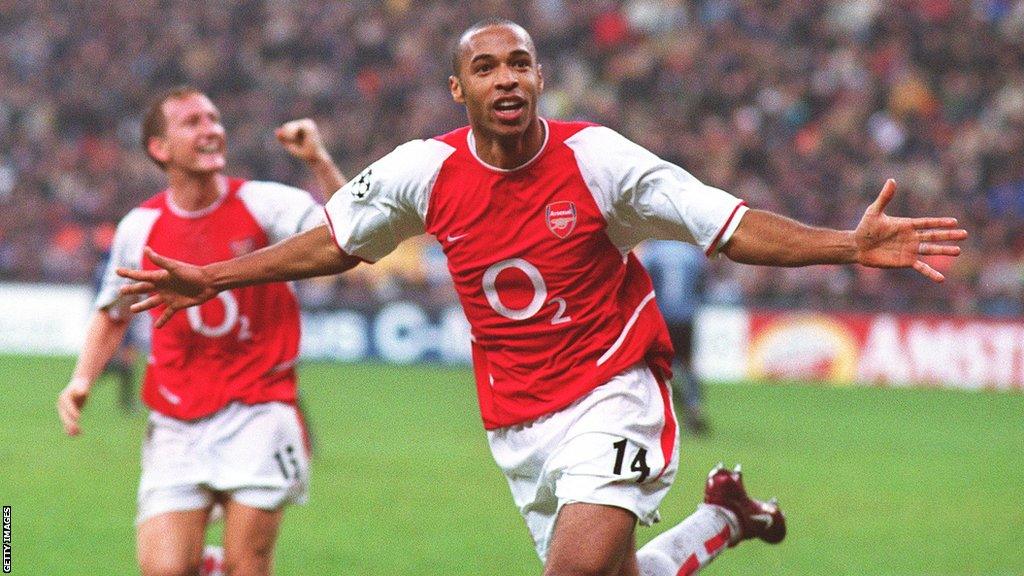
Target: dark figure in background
{"x": 679, "y": 273}
{"x": 122, "y": 364}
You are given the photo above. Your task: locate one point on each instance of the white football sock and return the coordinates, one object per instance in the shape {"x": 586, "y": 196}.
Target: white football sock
{"x": 690, "y": 545}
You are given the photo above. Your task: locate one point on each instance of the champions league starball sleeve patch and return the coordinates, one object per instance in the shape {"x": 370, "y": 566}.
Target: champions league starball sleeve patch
{"x": 361, "y": 187}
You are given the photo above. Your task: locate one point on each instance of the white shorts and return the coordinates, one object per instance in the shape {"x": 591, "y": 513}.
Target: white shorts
{"x": 616, "y": 446}
{"x": 255, "y": 454}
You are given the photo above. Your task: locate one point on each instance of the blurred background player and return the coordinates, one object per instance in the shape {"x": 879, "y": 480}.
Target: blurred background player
{"x": 538, "y": 219}
{"x": 679, "y": 272}
{"x": 122, "y": 362}
{"x": 224, "y": 427}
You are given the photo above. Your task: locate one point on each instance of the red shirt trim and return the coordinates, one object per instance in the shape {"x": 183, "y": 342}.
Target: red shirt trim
{"x": 714, "y": 244}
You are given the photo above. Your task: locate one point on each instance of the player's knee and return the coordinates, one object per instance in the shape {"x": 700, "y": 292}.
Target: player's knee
{"x": 253, "y": 562}
{"x": 580, "y": 566}
{"x": 154, "y": 565}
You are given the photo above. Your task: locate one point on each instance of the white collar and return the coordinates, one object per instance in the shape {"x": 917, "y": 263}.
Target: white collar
{"x": 471, "y": 142}
{"x": 191, "y": 214}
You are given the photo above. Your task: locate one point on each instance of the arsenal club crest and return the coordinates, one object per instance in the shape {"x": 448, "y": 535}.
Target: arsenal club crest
{"x": 561, "y": 218}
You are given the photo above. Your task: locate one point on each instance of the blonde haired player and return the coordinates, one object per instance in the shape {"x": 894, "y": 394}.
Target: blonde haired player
{"x": 224, "y": 427}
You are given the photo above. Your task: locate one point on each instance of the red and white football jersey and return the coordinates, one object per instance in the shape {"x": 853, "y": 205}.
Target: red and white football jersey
{"x": 540, "y": 254}
{"x": 240, "y": 346}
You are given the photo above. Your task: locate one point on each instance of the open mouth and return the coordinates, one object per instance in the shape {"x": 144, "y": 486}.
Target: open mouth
{"x": 509, "y": 109}
{"x": 210, "y": 152}
{"x": 210, "y": 148}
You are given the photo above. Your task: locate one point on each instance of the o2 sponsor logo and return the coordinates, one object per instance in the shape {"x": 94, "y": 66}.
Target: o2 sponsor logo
{"x": 540, "y": 293}
{"x": 231, "y": 319}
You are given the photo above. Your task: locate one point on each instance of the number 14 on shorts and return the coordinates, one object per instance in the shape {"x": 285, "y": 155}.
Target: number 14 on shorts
{"x": 638, "y": 464}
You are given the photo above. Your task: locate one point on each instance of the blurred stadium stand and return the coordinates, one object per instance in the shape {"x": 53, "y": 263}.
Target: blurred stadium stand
{"x": 799, "y": 107}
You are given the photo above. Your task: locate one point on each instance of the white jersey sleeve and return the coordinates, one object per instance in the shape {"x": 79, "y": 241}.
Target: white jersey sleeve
{"x": 125, "y": 252}
{"x": 387, "y": 203}
{"x": 279, "y": 209}
{"x": 642, "y": 196}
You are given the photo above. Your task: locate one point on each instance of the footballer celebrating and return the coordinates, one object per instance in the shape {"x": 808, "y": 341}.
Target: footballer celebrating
{"x": 224, "y": 426}
{"x": 570, "y": 354}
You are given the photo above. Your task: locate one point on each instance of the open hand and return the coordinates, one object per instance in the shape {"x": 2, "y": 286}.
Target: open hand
{"x": 890, "y": 242}
{"x": 176, "y": 285}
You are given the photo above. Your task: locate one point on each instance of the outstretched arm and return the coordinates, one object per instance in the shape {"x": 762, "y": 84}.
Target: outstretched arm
{"x": 178, "y": 285}
{"x": 301, "y": 138}
{"x": 880, "y": 241}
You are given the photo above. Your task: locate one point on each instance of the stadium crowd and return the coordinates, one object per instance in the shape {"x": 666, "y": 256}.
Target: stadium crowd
{"x": 799, "y": 107}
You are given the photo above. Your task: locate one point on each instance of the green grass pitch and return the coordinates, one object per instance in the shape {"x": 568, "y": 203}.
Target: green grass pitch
{"x": 885, "y": 482}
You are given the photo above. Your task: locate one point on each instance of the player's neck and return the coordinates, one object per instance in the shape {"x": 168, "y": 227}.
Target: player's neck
{"x": 191, "y": 192}
{"x": 512, "y": 151}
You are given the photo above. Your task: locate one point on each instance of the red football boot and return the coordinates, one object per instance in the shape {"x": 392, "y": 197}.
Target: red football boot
{"x": 757, "y": 519}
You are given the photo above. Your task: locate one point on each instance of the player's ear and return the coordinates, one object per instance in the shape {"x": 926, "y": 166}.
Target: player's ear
{"x": 157, "y": 148}
{"x": 540, "y": 75}
{"x": 455, "y": 85}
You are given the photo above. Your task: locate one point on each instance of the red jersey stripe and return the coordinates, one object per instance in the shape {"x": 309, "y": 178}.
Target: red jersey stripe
{"x": 307, "y": 439}
{"x": 714, "y": 244}
{"x": 625, "y": 330}
{"x": 668, "y": 433}
{"x": 330, "y": 228}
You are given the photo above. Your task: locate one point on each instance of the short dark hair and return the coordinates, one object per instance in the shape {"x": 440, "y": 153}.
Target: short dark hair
{"x": 154, "y": 123}
{"x": 456, "y": 50}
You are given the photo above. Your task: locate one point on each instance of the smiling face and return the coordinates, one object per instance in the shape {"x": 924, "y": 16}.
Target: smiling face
{"x": 498, "y": 80}
{"x": 193, "y": 137}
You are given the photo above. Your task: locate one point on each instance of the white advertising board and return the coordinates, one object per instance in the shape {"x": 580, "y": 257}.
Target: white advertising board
{"x": 43, "y": 318}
